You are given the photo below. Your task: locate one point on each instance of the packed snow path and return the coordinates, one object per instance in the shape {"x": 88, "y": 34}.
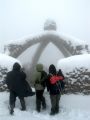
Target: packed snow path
{"x": 72, "y": 107}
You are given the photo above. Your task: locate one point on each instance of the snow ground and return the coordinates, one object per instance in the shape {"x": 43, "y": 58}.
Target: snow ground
{"x": 72, "y": 107}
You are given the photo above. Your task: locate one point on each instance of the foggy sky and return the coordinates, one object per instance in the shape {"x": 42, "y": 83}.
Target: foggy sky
{"x": 19, "y": 18}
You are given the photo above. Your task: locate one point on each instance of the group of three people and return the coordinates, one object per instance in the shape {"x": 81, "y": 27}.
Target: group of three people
{"x": 19, "y": 87}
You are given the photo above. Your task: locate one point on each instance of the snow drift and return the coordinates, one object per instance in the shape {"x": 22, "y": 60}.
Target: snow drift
{"x": 77, "y": 73}
{"x": 7, "y": 61}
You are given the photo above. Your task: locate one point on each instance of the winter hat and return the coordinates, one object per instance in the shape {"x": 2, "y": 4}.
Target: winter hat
{"x": 16, "y": 66}
{"x": 39, "y": 67}
{"x": 52, "y": 69}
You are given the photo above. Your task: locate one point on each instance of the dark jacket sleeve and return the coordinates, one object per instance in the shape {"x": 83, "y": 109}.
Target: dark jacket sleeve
{"x": 8, "y": 80}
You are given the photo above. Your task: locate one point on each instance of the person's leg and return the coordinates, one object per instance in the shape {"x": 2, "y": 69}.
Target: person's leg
{"x": 57, "y": 103}
{"x": 38, "y": 100}
{"x": 12, "y": 99}
{"x": 38, "y": 104}
{"x": 43, "y": 100}
{"x": 22, "y": 101}
{"x": 53, "y": 104}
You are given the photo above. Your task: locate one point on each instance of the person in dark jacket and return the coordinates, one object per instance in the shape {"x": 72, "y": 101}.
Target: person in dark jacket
{"x": 55, "y": 93}
{"x": 18, "y": 87}
{"x": 60, "y": 73}
{"x": 39, "y": 81}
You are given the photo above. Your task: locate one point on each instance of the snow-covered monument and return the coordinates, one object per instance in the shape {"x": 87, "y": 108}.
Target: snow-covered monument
{"x": 67, "y": 45}
{"x": 35, "y": 46}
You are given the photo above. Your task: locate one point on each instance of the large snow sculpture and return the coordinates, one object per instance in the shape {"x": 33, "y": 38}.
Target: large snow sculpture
{"x": 68, "y": 46}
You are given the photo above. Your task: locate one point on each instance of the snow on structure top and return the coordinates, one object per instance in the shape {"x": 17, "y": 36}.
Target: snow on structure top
{"x": 50, "y": 25}
{"x": 72, "y": 45}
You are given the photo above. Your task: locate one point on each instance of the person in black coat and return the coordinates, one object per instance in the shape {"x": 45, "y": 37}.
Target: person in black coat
{"x": 18, "y": 87}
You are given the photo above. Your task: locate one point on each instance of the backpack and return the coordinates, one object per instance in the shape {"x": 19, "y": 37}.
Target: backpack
{"x": 42, "y": 79}
{"x": 57, "y": 82}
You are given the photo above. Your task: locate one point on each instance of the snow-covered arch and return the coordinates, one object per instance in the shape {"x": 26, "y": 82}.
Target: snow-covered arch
{"x": 18, "y": 47}
{"x": 68, "y": 46}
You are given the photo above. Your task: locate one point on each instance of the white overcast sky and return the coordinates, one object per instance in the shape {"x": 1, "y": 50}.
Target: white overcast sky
{"x": 19, "y": 18}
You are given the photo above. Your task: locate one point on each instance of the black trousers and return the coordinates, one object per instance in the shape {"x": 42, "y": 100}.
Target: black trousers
{"x": 40, "y": 100}
{"x": 12, "y": 100}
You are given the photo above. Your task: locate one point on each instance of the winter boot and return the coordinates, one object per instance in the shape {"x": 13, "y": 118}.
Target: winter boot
{"x": 52, "y": 112}
{"x": 11, "y": 111}
{"x": 11, "y": 108}
{"x": 57, "y": 111}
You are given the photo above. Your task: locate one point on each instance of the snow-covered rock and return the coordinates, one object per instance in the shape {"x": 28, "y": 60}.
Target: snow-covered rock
{"x": 76, "y": 70}
{"x": 7, "y": 61}
{"x": 77, "y": 61}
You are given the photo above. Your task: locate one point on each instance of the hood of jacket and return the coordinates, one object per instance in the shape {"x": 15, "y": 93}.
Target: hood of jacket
{"x": 52, "y": 69}
{"x": 39, "y": 67}
{"x": 16, "y": 66}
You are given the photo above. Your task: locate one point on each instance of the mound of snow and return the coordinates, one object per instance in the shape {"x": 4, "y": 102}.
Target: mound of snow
{"x": 77, "y": 61}
{"x": 7, "y": 61}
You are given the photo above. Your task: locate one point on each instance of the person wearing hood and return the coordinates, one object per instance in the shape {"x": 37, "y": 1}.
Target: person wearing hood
{"x": 39, "y": 82}
{"x": 53, "y": 90}
{"x": 18, "y": 87}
